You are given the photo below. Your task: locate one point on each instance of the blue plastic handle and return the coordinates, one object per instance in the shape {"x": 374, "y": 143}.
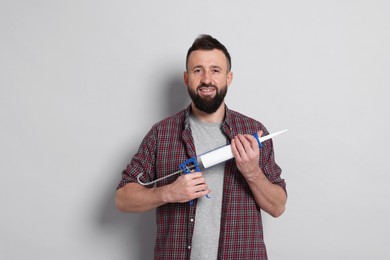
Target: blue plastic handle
{"x": 258, "y": 140}
{"x": 185, "y": 169}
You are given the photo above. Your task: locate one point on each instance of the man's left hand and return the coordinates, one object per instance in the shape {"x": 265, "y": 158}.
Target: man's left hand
{"x": 246, "y": 152}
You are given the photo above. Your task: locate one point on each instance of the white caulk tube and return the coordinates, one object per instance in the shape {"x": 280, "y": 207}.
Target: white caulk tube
{"x": 208, "y": 159}
{"x": 225, "y": 153}
{"x": 215, "y": 157}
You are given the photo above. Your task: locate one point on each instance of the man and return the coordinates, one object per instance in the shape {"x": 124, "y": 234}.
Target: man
{"x": 225, "y": 224}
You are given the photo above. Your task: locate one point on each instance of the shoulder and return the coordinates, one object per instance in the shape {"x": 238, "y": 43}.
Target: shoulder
{"x": 173, "y": 121}
{"x": 165, "y": 130}
{"x": 243, "y": 123}
{"x": 169, "y": 127}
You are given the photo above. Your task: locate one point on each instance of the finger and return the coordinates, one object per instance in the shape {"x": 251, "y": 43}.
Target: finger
{"x": 200, "y": 187}
{"x": 234, "y": 149}
{"x": 195, "y": 178}
{"x": 252, "y": 142}
{"x": 193, "y": 175}
{"x": 240, "y": 145}
{"x": 201, "y": 193}
{"x": 248, "y": 143}
{"x": 240, "y": 148}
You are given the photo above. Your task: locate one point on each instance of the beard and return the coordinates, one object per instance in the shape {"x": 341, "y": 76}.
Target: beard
{"x": 208, "y": 105}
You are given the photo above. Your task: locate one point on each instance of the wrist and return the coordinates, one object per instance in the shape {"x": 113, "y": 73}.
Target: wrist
{"x": 164, "y": 194}
{"x": 256, "y": 176}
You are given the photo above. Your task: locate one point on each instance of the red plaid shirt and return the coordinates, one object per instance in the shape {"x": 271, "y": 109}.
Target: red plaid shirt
{"x": 170, "y": 143}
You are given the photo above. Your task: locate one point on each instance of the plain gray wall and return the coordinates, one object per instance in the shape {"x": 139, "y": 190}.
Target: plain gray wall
{"x": 83, "y": 81}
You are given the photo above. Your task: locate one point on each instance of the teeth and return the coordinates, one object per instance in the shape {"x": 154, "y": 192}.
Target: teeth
{"x": 206, "y": 89}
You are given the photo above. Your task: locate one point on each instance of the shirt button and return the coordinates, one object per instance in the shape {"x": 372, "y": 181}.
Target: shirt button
{"x": 189, "y": 247}
{"x": 192, "y": 220}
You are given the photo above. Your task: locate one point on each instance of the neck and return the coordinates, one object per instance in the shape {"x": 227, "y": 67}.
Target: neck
{"x": 216, "y": 117}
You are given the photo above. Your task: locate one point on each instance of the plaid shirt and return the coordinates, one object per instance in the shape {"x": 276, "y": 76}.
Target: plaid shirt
{"x": 170, "y": 143}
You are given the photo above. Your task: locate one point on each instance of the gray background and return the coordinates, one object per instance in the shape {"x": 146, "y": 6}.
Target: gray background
{"x": 83, "y": 81}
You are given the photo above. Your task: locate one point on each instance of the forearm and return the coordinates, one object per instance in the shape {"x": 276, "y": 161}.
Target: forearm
{"x": 134, "y": 197}
{"x": 269, "y": 197}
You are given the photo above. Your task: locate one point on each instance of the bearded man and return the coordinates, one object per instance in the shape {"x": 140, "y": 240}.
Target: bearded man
{"x": 224, "y": 222}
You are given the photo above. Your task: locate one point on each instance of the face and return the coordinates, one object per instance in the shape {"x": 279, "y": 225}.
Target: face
{"x": 207, "y": 79}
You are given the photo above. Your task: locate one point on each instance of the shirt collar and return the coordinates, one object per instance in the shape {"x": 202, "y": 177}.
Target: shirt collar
{"x": 226, "y": 121}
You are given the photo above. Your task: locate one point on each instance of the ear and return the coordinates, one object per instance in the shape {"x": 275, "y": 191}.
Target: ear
{"x": 229, "y": 78}
{"x": 185, "y": 76}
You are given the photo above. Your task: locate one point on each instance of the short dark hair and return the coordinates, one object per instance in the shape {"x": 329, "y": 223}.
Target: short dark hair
{"x": 207, "y": 42}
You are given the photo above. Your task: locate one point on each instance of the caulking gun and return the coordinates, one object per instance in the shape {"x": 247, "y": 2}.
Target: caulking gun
{"x": 209, "y": 159}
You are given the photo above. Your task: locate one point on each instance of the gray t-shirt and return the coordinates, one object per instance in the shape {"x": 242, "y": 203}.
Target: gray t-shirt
{"x": 207, "y": 137}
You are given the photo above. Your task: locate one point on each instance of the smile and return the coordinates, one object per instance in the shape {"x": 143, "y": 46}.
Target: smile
{"x": 207, "y": 89}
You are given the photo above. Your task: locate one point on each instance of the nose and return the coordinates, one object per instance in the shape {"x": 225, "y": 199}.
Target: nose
{"x": 206, "y": 77}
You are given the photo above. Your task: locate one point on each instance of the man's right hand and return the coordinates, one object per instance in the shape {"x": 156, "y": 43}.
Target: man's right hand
{"x": 133, "y": 197}
{"x": 186, "y": 188}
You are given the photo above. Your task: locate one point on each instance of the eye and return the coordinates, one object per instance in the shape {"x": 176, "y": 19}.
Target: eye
{"x": 197, "y": 71}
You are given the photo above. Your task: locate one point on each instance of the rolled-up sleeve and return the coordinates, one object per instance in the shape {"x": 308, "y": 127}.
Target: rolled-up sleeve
{"x": 142, "y": 162}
